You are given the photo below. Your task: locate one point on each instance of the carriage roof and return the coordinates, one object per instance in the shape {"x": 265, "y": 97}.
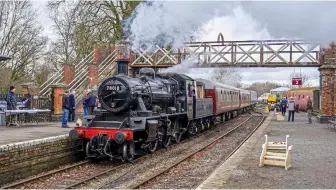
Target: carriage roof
{"x": 211, "y": 84}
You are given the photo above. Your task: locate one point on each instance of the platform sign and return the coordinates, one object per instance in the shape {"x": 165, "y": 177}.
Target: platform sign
{"x": 296, "y": 81}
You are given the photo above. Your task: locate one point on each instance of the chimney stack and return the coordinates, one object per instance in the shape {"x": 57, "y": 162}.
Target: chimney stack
{"x": 123, "y": 57}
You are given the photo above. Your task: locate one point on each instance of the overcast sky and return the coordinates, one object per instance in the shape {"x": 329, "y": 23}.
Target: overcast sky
{"x": 261, "y": 20}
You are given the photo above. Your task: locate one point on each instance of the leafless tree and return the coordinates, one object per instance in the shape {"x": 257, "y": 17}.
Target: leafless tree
{"x": 263, "y": 87}
{"x": 63, "y": 14}
{"x": 20, "y": 38}
{"x": 228, "y": 76}
{"x": 80, "y": 25}
{"x": 305, "y": 80}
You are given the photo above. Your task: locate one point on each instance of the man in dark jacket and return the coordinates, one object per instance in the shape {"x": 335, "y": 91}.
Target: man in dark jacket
{"x": 66, "y": 108}
{"x": 11, "y": 99}
{"x": 72, "y": 106}
{"x": 283, "y": 105}
{"x": 11, "y": 104}
{"x": 91, "y": 101}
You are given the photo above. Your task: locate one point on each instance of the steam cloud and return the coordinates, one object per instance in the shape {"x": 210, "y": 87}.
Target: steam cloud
{"x": 173, "y": 22}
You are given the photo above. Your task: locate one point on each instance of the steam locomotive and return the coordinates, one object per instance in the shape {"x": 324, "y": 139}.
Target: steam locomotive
{"x": 154, "y": 109}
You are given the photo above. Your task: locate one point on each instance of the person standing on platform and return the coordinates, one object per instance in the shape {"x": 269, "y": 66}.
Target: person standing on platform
{"x": 309, "y": 110}
{"x": 283, "y": 105}
{"x": 91, "y": 101}
{"x": 11, "y": 99}
{"x": 84, "y": 102}
{"x": 66, "y": 108}
{"x": 72, "y": 103}
{"x": 291, "y": 108}
{"x": 11, "y": 103}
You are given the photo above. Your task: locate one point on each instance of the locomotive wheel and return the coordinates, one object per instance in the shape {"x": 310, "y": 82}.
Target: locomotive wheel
{"x": 166, "y": 141}
{"x": 152, "y": 146}
{"x": 92, "y": 157}
{"x": 178, "y": 137}
{"x": 131, "y": 151}
{"x": 128, "y": 152}
{"x": 124, "y": 157}
{"x": 177, "y": 131}
{"x": 166, "y": 137}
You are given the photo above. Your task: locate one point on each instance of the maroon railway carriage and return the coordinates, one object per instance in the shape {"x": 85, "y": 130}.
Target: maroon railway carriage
{"x": 228, "y": 101}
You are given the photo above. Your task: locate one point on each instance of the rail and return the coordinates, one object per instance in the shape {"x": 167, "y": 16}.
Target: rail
{"x": 145, "y": 180}
{"x": 201, "y": 149}
{"x": 39, "y": 177}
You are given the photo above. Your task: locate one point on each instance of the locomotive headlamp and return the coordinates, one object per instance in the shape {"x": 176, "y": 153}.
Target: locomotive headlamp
{"x": 119, "y": 137}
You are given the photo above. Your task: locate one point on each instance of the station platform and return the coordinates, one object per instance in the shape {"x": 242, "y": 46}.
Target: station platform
{"x": 313, "y": 158}
{"x": 24, "y": 132}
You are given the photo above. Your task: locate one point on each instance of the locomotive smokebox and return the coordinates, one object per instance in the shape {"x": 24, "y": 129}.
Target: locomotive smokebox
{"x": 123, "y": 56}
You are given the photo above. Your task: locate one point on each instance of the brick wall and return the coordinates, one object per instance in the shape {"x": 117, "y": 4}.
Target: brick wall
{"x": 21, "y": 160}
{"x": 58, "y": 93}
{"x": 93, "y": 72}
{"x": 69, "y": 73}
{"x": 100, "y": 53}
{"x": 328, "y": 100}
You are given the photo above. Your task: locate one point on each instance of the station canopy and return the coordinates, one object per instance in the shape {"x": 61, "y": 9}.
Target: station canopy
{"x": 279, "y": 90}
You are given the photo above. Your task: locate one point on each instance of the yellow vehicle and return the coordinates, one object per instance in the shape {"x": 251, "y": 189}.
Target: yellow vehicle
{"x": 271, "y": 98}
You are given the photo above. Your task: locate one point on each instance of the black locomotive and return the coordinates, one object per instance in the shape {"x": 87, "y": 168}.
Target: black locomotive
{"x": 147, "y": 111}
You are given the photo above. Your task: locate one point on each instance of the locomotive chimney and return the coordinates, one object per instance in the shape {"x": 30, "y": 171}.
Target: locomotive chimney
{"x": 123, "y": 57}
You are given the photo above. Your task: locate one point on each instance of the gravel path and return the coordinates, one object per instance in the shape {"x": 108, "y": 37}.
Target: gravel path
{"x": 196, "y": 169}
{"x": 160, "y": 159}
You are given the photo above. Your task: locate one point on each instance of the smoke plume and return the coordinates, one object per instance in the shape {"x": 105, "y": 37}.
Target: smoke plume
{"x": 171, "y": 23}
{"x": 175, "y": 22}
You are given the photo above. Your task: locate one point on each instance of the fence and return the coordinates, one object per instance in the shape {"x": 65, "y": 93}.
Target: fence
{"x": 30, "y": 102}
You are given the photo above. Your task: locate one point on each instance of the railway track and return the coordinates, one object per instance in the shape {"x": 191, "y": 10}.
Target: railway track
{"x": 138, "y": 184}
{"x": 47, "y": 174}
{"x": 113, "y": 169}
{"x": 85, "y": 162}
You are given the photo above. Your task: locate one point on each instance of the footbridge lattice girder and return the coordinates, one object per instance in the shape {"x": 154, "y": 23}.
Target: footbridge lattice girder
{"x": 263, "y": 53}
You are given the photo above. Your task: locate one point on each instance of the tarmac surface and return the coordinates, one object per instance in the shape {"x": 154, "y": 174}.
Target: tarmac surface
{"x": 21, "y": 133}
{"x": 313, "y": 158}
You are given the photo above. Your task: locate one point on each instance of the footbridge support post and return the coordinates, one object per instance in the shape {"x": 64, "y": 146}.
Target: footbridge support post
{"x": 328, "y": 90}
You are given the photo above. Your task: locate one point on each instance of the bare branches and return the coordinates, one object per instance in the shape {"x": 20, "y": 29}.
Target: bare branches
{"x": 305, "y": 79}
{"x": 263, "y": 87}
{"x": 228, "y": 76}
{"x": 20, "y": 37}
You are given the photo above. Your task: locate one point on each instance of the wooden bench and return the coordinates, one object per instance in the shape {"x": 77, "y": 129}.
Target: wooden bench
{"x": 279, "y": 156}
{"x": 332, "y": 122}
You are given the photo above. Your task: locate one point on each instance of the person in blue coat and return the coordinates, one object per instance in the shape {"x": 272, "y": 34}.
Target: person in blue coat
{"x": 283, "y": 105}
{"x": 84, "y": 102}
